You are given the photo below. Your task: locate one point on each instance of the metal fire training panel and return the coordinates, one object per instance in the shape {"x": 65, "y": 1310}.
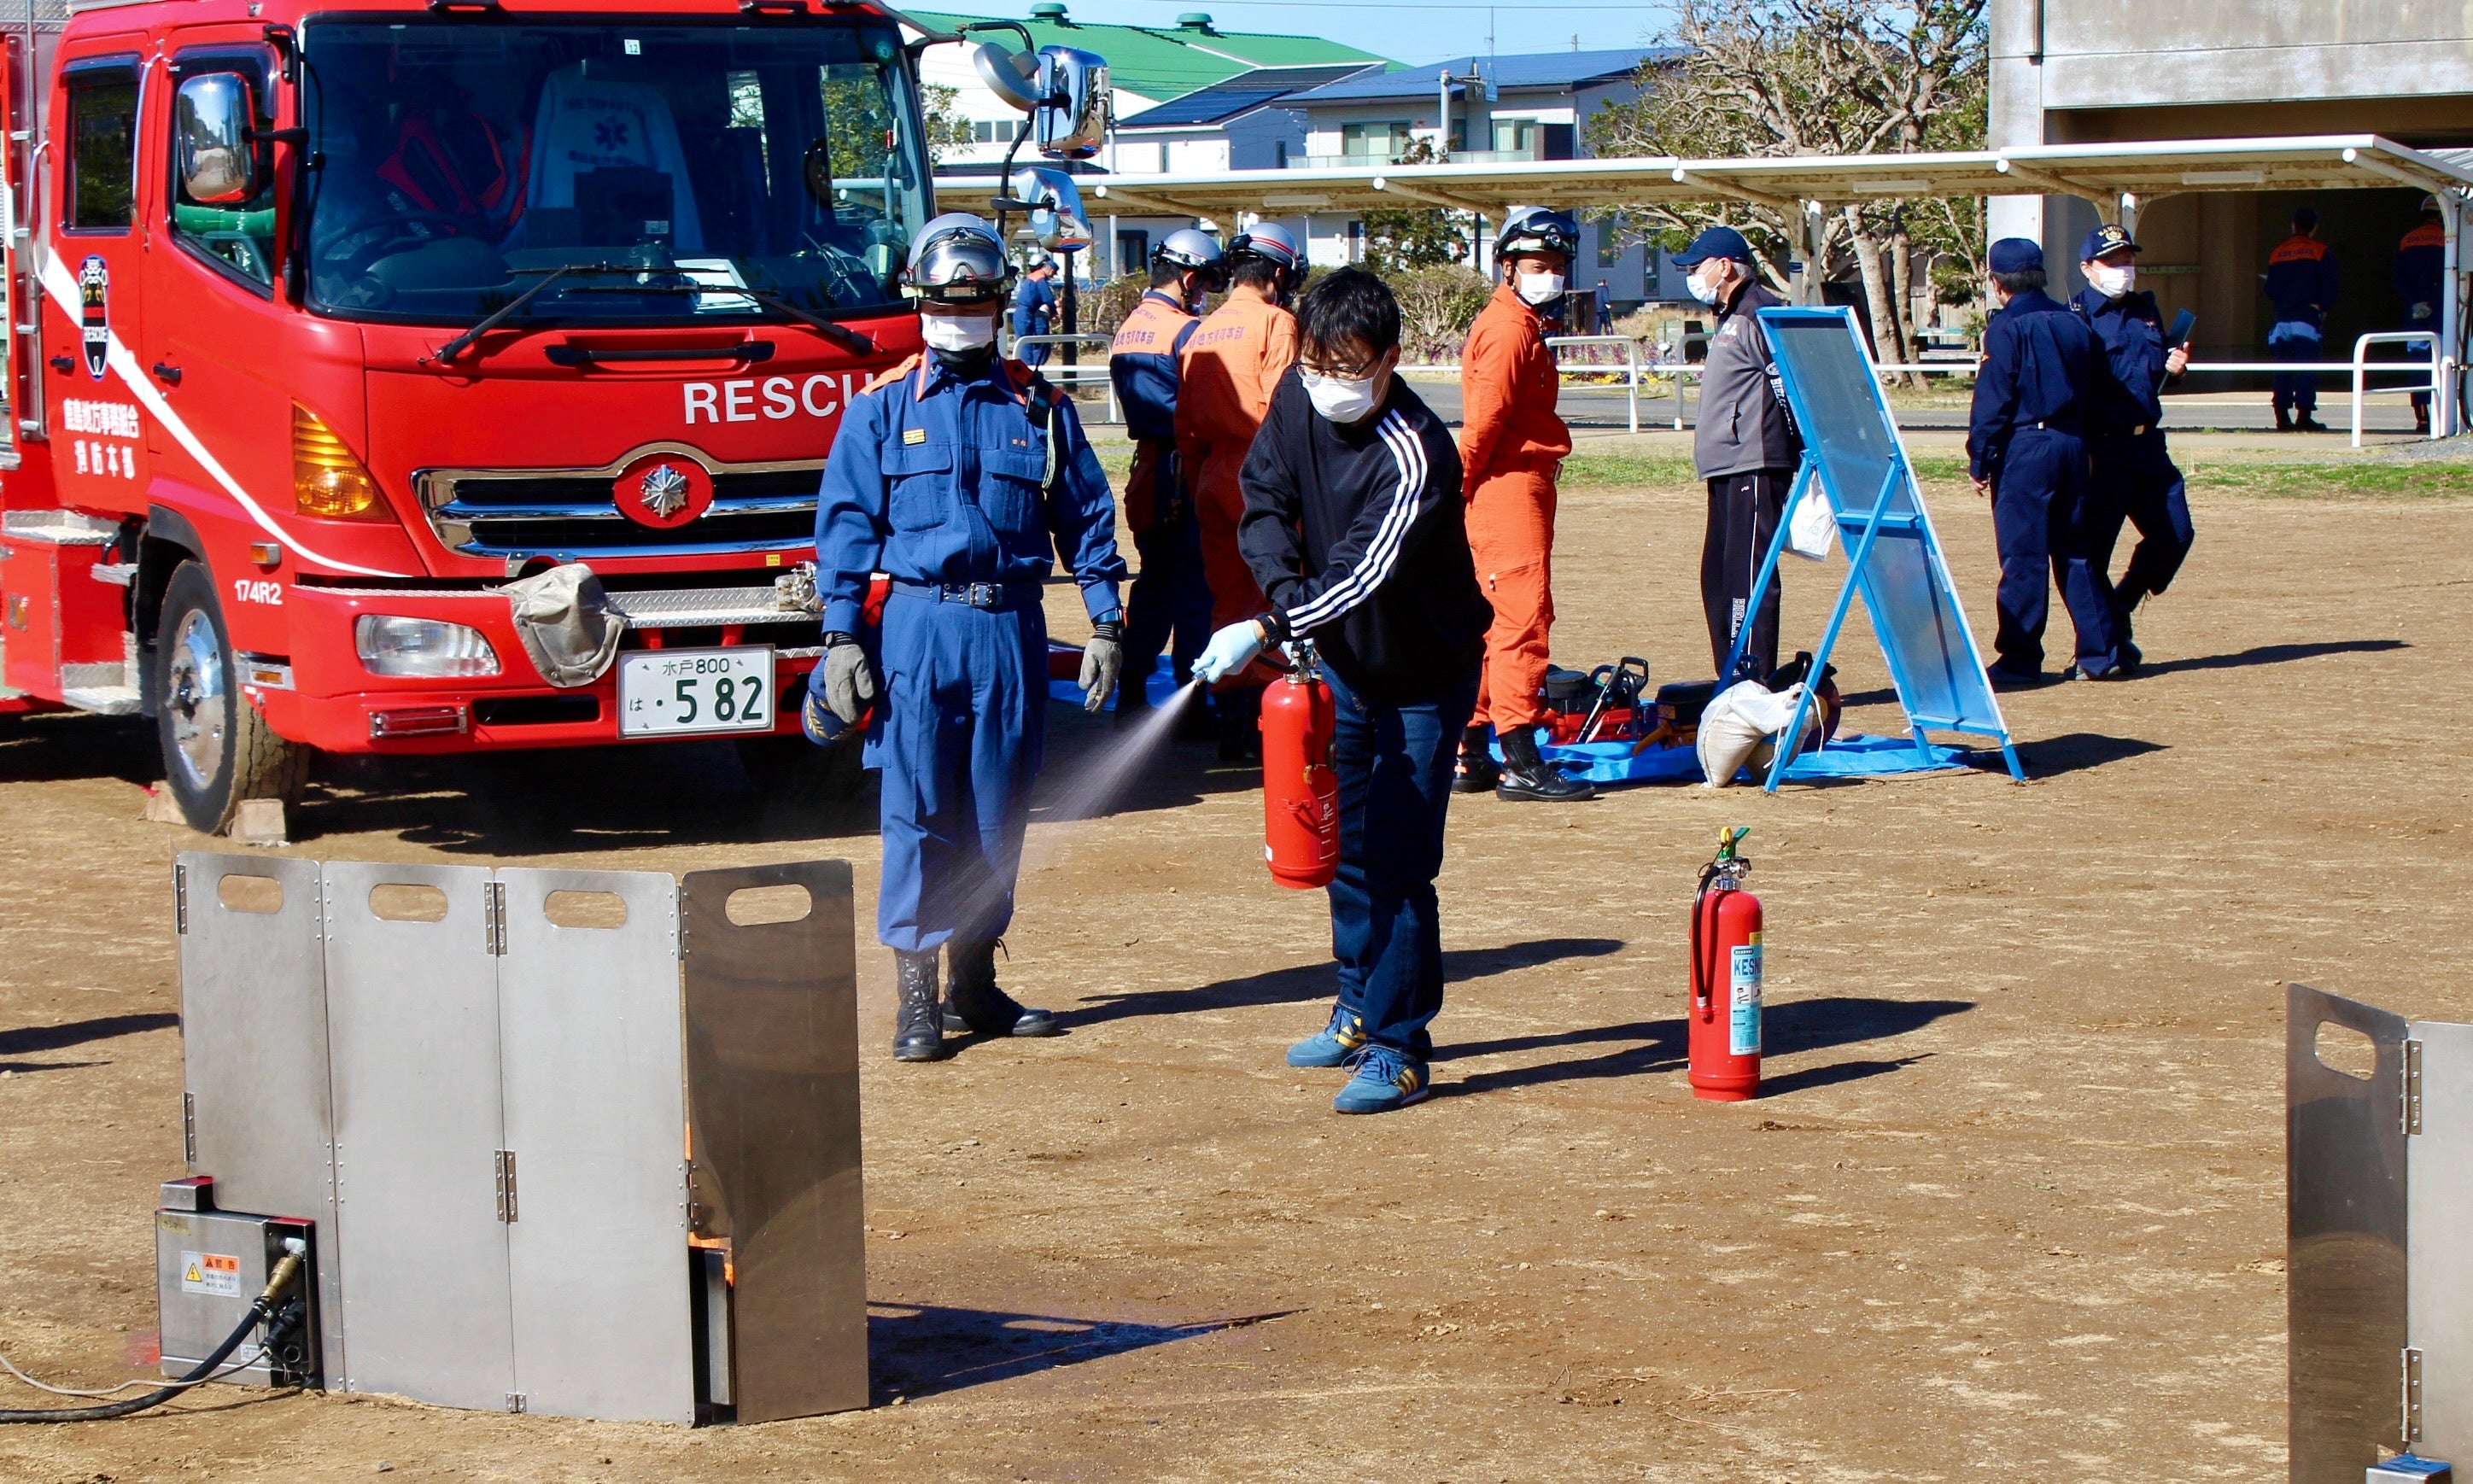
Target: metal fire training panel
{"x": 2439, "y": 1215}
{"x": 255, "y": 1104}
{"x": 772, "y": 1014}
{"x": 595, "y": 1121}
{"x": 412, "y": 1013}
{"x": 2344, "y": 1178}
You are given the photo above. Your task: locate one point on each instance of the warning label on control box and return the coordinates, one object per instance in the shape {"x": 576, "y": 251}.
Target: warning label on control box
{"x": 210, "y": 1272}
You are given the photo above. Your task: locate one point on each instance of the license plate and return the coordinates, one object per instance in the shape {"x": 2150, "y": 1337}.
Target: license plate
{"x": 695, "y": 692}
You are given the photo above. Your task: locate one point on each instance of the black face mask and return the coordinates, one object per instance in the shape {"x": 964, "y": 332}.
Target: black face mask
{"x": 965, "y": 363}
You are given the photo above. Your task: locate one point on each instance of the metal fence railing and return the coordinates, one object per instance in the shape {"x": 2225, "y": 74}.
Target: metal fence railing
{"x": 1075, "y": 377}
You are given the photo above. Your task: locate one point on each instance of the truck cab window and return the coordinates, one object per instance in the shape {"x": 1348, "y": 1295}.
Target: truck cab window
{"x": 103, "y": 140}
{"x": 237, "y": 235}
{"x": 663, "y": 174}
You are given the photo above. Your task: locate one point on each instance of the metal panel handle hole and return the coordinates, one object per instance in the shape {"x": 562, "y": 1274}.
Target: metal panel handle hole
{"x": 584, "y": 909}
{"x": 2345, "y": 1051}
{"x": 403, "y": 901}
{"x": 238, "y": 893}
{"x": 755, "y": 906}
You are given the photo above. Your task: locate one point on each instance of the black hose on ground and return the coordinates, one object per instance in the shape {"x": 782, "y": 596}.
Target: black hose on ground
{"x": 205, "y": 1369}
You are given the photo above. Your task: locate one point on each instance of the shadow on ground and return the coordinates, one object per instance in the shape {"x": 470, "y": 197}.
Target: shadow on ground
{"x": 920, "y": 1352}
{"x": 1314, "y": 981}
{"x": 1647, "y": 1046}
{"x": 2271, "y": 654}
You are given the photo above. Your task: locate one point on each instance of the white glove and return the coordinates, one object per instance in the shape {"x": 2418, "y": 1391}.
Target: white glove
{"x": 1231, "y": 649}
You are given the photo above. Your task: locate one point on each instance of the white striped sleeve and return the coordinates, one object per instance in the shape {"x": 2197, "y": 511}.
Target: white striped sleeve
{"x": 1381, "y": 553}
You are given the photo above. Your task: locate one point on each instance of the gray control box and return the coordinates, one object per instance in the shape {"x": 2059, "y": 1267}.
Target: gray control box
{"x": 209, "y": 1267}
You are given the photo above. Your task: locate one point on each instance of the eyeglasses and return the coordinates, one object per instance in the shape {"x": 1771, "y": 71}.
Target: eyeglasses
{"x": 1324, "y": 368}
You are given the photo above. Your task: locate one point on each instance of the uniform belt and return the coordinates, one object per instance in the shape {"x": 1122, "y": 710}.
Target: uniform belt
{"x": 979, "y": 595}
{"x": 2057, "y": 427}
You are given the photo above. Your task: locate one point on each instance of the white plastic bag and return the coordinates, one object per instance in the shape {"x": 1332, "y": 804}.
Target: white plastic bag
{"x": 1812, "y": 526}
{"x": 1741, "y": 729}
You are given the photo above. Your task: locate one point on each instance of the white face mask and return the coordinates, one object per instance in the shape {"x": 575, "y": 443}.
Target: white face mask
{"x": 2109, "y": 281}
{"x": 1338, "y": 399}
{"x": 1704, "y": 291}
{"x": 954, "y": 334}
{"x": 1538, "y": 288}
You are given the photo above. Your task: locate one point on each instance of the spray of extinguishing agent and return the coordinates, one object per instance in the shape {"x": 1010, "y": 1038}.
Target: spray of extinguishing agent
{"x": 1725, "y": 1016}
{"x": 1300, "y": 791}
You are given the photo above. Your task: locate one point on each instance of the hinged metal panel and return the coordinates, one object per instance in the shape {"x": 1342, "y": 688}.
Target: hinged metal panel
{"x": 494, "y": 917}
{"x": 2344, "y": 1180}
{"x": 413, "y": 1022}
{"x": 2410, "y": 1423}
{"x": 2412, "y": 1099}
{"x": 504, "y": 1164}
{"x": 2439, "y": 1224}
{"x": 180, "y": 897}
{"x": 596, "y": 1108}
{"x": 255, "y": 1100}
{"x": 772, "y": 1016}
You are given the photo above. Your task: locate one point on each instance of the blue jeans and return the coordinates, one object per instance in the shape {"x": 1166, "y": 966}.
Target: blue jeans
{"x": 1394, "y": 763}
{"x": 2297, "y": 390}
{"x": 2041, "y": 521}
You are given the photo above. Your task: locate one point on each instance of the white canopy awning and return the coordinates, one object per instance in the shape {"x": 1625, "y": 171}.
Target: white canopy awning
{"x": 2102, "y": 173}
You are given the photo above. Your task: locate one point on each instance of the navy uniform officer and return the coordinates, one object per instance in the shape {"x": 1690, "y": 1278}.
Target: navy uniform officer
{"x": 2025, "y": 448}
{"x": 2134, "y": 477}
{"x": 958, "y": 474}
{"x": 2420, "y": 264}
{"x": 2300, "y": 281}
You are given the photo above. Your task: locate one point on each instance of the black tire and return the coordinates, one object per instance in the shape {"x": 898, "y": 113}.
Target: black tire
{"x": 793, "y": 771}
{"x": 217, "y": 750}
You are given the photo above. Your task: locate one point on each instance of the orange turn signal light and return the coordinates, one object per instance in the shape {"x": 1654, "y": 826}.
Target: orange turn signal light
{"x": 327, "y": 480}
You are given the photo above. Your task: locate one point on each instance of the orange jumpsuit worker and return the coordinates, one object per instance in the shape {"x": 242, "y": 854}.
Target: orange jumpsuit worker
{"x": 1511, "y": 445}
{"x": 1226, "y": 374}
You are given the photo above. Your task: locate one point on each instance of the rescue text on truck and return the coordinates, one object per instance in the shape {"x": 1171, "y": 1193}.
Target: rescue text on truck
{"x": 333, "y": 324}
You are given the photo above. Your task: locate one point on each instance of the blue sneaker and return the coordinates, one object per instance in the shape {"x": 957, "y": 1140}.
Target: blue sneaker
{"x": 1332, "y": 1045}
{"x": 1385, "y": 1080}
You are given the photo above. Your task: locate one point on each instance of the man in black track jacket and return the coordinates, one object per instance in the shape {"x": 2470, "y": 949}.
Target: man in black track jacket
{"x": 1354, "y": 527}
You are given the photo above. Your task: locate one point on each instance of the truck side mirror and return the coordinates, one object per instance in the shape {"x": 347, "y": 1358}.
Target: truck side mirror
{"x": 1071, "y": 120}
{"x": 1056, "y": 216}
{"x": 218, "y": 164}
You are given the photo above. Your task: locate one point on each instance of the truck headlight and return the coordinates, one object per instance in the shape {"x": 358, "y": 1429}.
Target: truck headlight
{"x": 421, "y": 648}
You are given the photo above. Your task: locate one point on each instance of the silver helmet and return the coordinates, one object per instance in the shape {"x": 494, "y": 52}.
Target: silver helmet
{"x": 1537, "y": 229}
{"x": 958, "y": 259}
{"x": 1270, "y": 242}
{"x": 1188, "y": 247}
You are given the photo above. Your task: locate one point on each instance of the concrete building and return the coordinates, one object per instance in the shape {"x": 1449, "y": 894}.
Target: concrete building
{"x": 2097, "y": 71}
{"x": 1482, "y": 109}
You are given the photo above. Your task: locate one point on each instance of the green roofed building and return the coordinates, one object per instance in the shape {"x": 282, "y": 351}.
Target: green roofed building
{"x": 1147, "y": 65}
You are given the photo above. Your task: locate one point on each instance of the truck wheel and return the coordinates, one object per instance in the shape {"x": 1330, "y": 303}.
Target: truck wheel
{"x": 217, "y": 750}
{"x": 794, "y": 771}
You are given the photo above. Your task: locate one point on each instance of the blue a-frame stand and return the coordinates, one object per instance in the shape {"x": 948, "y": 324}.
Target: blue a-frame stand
{"x": 1893, "y": 557}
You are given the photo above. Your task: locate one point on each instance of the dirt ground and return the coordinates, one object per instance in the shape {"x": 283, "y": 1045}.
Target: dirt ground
{"x": 2010, "y": 1205}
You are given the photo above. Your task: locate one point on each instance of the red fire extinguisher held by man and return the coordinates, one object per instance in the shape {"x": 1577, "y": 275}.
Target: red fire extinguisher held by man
{"x": 1300, "y": 791}
{"x": 1725, "y": 1016}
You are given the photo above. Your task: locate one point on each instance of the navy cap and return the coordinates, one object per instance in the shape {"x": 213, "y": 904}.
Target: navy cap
{"x": 1714, "y": 242}
{"x": 2106, "y": 239}
{"x": 2016, "y": 255}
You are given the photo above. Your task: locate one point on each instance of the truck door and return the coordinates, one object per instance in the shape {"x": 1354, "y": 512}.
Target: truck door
{"x": 12, "y": 56}
{"x": 92, "y": 286}
{"x": 216, "y": 362}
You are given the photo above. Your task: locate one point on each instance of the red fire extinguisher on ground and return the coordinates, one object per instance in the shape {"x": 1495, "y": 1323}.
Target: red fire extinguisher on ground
{"x": 1300, "y": 791}
{"x": 1725, "y": 1019}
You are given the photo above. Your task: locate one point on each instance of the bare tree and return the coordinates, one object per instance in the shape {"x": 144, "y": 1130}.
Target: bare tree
{"x": 1801, "y": 77}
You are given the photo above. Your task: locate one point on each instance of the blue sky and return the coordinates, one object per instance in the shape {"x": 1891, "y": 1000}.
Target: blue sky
{"x": 1412, "y": 31}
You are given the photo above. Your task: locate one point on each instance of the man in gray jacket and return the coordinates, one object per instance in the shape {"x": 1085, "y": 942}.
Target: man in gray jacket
{"x": 1746, "y": 447}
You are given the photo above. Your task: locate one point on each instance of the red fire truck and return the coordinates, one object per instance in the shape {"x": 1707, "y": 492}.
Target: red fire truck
{"x": 329, "y": 323}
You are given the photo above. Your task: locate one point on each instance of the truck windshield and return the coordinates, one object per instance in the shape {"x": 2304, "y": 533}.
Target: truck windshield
{"x": 669, "y": 166}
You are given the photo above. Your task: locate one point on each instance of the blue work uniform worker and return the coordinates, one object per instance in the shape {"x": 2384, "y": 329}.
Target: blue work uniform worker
{"x": 1034, "y": 311}
{"x": 2300, "y": 282}
{"x": 2135, "y": 479}
{"x": 960, "y": 476}
{"x": 2026, "y": 443}
{"x": 1170, "y": 605}
{"x": 2421, "y": 265}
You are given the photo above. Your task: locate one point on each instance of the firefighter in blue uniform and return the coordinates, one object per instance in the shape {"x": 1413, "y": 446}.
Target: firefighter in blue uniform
{"x": 2421, "y": 263}
{"x": 1170, "y": 605}
{"x": 959, "y": 474}
{"x": 2134, "y": 477}
{"x": 2300, "y": 282}
{"x": 1034, "y": 310}
{"x": 2025, "y": 448}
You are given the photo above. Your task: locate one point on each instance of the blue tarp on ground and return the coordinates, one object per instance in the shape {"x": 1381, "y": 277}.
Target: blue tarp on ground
{"x": 1848, "y": 757}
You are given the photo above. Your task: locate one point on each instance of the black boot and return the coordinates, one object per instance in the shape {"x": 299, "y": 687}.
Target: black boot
{"x": 2308, "y": 423}
{"x": 918, "y": 1026}
{"x": 1476, "y": 772}
{"x": 1240, "y": 724}
{"x": 2283, "y": 421}
{"x": 978, "y": 1005}
{"x": 1527, "y": 776}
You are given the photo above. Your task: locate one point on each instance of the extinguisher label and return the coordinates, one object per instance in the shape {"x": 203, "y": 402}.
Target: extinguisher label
{"x": 1743, "y": 1001}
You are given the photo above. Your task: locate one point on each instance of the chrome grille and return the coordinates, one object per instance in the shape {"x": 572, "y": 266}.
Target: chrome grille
{"x": 574, "y": 514}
